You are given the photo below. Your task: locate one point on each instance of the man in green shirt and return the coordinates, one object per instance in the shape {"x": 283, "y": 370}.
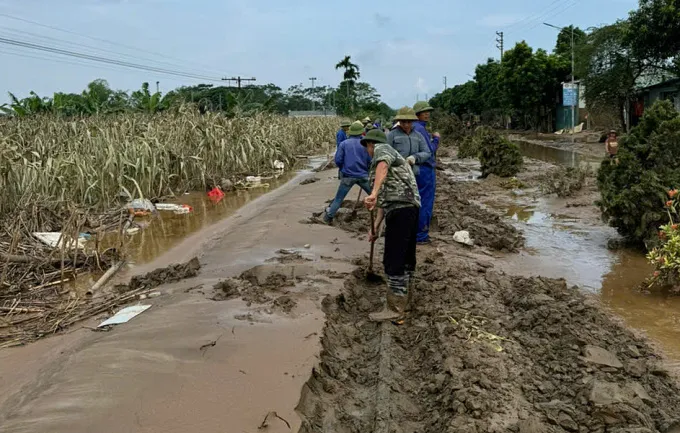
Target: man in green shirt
{"x": 395, "y": 194}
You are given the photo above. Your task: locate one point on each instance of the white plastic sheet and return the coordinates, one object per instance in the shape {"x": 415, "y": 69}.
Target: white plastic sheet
{"x": 124, "y": 315}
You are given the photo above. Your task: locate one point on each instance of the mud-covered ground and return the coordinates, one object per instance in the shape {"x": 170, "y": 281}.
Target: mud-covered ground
{"x": 484, "y": 351}
{"x": 452, "y": 212}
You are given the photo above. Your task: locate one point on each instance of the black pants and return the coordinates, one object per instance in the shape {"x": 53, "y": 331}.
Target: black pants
{"x": 401, "y": 228}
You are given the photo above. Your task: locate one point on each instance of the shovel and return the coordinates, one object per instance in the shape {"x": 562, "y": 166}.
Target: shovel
{"x": 356, "y": 206}
{"x": 370, "y": 275}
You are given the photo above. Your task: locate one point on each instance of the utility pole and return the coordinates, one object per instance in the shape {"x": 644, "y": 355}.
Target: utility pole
{"x": 158, "y": 88}
{"x": 313, "y": 80}
{"x": 499, "y": 43}
{"x": 238, "y": 80}
{"x": 445, "y": 82}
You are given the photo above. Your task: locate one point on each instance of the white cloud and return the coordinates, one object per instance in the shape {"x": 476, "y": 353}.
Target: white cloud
{"x": 499, "y": 20}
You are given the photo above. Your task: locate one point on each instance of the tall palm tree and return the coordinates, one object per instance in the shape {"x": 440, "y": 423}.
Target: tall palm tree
{"x": 350, "y": 76}
{"x": 351, "y": 70}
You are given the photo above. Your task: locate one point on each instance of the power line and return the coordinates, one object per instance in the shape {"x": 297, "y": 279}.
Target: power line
{"x": 547, "y": 17}
{"x": 106, "y": 41}
{"x": 57, "y": 60}
{"x": 28, "y": 45}
{"x": 68, "y": 44}
{"x": 530, "y": 17}
{"x": 546, "y": 14}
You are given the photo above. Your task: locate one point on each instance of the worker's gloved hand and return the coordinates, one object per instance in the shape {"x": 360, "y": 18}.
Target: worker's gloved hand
{"x": 411, "y": 160}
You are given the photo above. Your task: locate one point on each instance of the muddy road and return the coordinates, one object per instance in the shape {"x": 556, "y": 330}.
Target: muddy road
{"x": 272, "y": 335}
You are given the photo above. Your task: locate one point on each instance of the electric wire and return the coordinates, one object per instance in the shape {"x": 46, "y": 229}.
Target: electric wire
{"x": 94, "y": 58}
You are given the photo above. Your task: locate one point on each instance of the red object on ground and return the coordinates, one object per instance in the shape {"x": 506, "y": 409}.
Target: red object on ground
{"x": 216, "y": 194}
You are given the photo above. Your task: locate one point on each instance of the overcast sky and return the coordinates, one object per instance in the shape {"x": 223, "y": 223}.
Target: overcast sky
{"x": 404, "y": 48}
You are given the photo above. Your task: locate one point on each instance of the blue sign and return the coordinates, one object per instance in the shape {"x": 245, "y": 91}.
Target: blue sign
{"x": 569, "y": 95}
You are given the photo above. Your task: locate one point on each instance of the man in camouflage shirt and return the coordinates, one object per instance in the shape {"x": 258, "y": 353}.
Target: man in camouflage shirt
{"x": 395, "y": 194}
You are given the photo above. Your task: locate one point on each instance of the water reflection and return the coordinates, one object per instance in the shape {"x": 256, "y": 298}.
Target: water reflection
{"x": 655, "y": 313}
{"x": 568, "y": 158}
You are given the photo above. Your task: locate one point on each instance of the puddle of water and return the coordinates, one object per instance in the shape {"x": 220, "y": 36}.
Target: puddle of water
{"x": 563, "y": 247}
{"x": 656, "y": 314}
{"x": 166, "y": 230}
{"x": 554, "y": 155}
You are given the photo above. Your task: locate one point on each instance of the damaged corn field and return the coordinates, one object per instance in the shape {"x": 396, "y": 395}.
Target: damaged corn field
{"x": 73, "y": 178}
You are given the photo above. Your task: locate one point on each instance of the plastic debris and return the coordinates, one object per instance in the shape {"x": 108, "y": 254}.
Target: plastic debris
{"x": 278, "y": 165}
{"x": 132, "y": 230}
{"x": 141, "y": 206}
{"x": 176, "y": 208}
{"x": 216, "y": 194}
{"x": 124, "y": 315}
{"x": 254, "y": 180}
{"x": 54, "y": 239}
{"x": 463, "y": 237}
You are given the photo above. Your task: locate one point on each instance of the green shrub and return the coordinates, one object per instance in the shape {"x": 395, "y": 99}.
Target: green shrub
{"x": 565, "y": 181}
{"x": 497, "y": 154}
{"x": 666, "y": 257}
{"x": 448, "y": 125}
{"x": 468, "y": 148}
{"x": 633, "y": 186}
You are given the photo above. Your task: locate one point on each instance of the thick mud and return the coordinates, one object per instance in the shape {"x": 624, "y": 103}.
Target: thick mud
{"x": 452, "y": 212}
{"x": 484, "y": 352}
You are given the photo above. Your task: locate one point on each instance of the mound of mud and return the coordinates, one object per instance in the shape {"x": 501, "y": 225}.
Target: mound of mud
{"x": 484, "y": 352}
{"x": 454, "y": 212}
{"x": 171, "y": 274}
{"x": 263, "y": 285}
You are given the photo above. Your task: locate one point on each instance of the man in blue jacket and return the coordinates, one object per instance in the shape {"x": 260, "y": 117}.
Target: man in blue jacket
{"x": 426, "y": 177}
{"x": 341, "y": 135}
{"x": 353, "y": 161}
{"x": 404, "y": 139}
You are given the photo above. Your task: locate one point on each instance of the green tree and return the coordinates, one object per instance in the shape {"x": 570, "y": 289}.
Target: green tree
{"x": 655, "y": 33}
{"x": 563, "y": 45}
{"x": 633, "y": 191}
{"x": 611, "y": 69}
{"x": 531, "y": 82}
{"x": 460, "y": 99}
{"x": 144, "y": 100}
{"x": 350, "y": 77}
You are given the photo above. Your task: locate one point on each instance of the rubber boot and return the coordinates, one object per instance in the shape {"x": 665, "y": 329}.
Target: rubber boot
{"x": 394, "y": 309}
{"x": 411, "y": 288}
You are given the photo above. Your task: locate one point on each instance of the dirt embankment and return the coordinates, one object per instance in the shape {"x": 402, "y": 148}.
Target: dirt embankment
{"x": 484, "y": 352}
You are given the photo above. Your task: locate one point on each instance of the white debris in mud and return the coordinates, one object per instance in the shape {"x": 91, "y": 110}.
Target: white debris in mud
{"x": 463, "y": 237}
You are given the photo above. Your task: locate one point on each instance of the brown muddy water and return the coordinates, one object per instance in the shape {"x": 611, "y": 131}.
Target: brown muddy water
{"x": 553, "y": 155}
{"x": 561, "y": 247}
{"x": 163, "y": 231}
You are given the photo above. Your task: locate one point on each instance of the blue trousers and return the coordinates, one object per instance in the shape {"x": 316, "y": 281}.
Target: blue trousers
{"x": 346, "y": 184}
{"x": 426, "y": 180}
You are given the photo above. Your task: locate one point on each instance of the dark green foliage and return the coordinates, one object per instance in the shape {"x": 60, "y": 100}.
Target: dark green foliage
{"x": 634, "y": 191}
{"x": 468, "y": 148}
{"x": 497, "y": 154}
{"x": 448, "y": 125}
